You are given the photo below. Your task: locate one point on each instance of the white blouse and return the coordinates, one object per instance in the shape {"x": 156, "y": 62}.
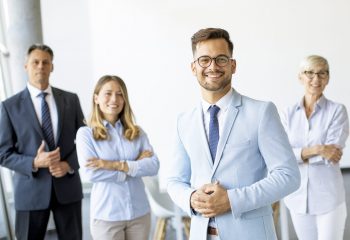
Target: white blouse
{"x": 322, "y": 187}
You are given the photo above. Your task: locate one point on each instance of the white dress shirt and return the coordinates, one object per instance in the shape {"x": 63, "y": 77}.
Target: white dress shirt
{"x": 223, "y": 104}
{"x": 36, "y": 99}
{"x": 322, "y": 187}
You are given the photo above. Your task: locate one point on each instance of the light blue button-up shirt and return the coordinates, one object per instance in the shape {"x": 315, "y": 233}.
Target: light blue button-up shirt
{"x": 322, "y": 187}
{"x": 115, "y": 195}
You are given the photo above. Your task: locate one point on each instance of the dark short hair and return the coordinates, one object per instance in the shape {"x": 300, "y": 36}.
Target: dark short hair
{"x": 41, "y": 47}
{"x": 211, "y": 33}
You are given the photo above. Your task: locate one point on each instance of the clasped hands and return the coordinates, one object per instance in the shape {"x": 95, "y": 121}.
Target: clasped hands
{"x": 97, "y": 163}
{"x": 51, "y": 160}
{"x": 210, "y": 200}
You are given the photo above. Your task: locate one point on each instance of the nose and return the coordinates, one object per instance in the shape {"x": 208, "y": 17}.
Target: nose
{"x": 40, "y": 65}
{"x": 114, "y": 98}
{"x": 316, "y": 77}
{"x": 213, "y": 65}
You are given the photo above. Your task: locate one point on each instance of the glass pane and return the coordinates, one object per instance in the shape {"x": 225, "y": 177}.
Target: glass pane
{"x": 5, "y": 231}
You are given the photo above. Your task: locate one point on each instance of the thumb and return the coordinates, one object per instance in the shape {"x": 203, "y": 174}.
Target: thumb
{"x": 42, "y": 147}
{"x": 57, "y": 150}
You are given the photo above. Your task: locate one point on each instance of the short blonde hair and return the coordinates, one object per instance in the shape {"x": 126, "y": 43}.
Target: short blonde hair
{"x": 131, "y": 131}
{"x": 313, "y": 60}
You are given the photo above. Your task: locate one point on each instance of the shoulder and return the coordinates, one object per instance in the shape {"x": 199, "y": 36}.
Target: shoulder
{"x": 84, "y": 131}
{"x": 142, "y": 133}
{"x": 15, "y": 104}
{"x": 15, "y": 98}
{"x": 336, "y": 110}
{"x": 258, "y": 106}
{"x": 190, "y": 114}
{"x": 61, "y": 92}
{"x": 335, "y": 105}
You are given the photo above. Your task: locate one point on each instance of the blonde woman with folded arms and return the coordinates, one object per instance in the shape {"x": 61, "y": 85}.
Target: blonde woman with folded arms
{"x": 317, "y": 129}
{"x": 115, "y": 154}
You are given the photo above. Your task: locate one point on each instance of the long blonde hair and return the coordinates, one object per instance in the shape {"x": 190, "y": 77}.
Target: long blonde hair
{"x": 131, "y": 131}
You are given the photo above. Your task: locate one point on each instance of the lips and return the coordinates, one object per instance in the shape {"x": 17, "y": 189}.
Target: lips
{"x": 112, "y": 106}
{"x": 315, "y": 86}
{"x": 213, "y": 74}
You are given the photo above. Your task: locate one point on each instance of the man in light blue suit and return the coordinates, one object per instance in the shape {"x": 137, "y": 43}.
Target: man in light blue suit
{"x": 232, "y": 157}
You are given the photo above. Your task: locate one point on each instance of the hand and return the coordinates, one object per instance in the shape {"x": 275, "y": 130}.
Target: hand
{"x": 210, "y": 200}
{"x": 97, "y": 163}
{"x": 59, "y": 169}
{"x": 331, "y": 152}
{"x": 144, "y": 154}
{"x": 44, "y": 159}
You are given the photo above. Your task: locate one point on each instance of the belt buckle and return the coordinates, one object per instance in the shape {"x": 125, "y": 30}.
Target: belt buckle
{"x": 213, "y": 231}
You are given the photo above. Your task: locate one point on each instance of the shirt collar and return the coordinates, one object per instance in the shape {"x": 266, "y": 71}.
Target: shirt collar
{"x": 223, "y": 103}
{"x": 34, "y": 92}
{"x": 321, "y": 103}
{"x": 117, "y": 124}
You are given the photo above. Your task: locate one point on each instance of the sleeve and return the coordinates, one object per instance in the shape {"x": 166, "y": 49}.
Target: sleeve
{"x": 86, "y": 150}
{"x": 338, "y": 130}
{"x": 9, "y": 156}
{"x": 179, "y": 176}
{"x": 285, "y": 120}
{"x": 337, "y": 133}
{"x": 283, "y": 175}
{"x": 146, "y": 166}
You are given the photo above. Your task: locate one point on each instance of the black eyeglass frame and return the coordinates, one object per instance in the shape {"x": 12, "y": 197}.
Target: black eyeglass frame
{"x": 215, "y": 60}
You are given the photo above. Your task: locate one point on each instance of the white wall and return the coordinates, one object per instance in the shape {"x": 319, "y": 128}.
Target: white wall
{"x": 147, "y": 43}
{"x": 66, "y": 27}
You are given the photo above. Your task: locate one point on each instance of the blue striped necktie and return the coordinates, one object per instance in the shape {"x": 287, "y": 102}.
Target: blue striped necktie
{"x": 213, "y": 130}
{"x": 46, "y": 123}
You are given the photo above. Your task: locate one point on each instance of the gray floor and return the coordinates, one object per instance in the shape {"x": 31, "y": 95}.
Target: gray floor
{"x": 171, "y": 233}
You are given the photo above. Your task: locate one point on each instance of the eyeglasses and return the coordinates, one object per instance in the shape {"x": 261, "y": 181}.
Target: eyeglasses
{"x": 205, "y": 61}
{"x": 321, "y": 75}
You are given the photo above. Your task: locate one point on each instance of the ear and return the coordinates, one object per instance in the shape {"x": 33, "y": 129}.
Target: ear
{"x": 96, "y": 99}
{"x": 300, "y": 77}
{"x": 52, "y": 68}
{"x": 193, "y": 68}
{"x": 233, "y": 66}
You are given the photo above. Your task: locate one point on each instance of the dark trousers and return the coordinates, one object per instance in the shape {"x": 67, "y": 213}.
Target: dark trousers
{"x": 32, "y": 225}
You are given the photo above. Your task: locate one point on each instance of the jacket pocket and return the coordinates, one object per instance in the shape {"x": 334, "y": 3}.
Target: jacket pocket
{"x": 264, "y": 211}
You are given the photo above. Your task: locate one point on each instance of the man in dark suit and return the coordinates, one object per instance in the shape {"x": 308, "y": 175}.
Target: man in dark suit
{"x": 37, "y": 141}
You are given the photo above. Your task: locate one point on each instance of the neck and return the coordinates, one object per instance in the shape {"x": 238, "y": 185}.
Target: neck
{"x": 111, "y": 120}
{"x": 40, "y": 86}
{"x": 213, "y": 97}
{"x": 310, "y": 100}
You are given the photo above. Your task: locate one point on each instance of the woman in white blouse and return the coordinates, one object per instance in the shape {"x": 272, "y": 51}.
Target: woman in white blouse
{"x": 115, "y": 154}
{"x": 317, "y": 129}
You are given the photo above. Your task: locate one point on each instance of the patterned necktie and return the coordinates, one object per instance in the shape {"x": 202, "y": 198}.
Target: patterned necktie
{"x": 213, "y": 130}
{"x": 46, "y": 123}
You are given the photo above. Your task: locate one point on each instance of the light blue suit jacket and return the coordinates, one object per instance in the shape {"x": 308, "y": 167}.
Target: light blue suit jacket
{"x": 254, "y": 162}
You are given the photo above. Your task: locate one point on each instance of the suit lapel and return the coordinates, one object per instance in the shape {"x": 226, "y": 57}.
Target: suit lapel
{"x": 202, "y": 134}
{"x": 60, "y": 111}
{"x": 28, "y": 106}
{"x": 232, "y": 112}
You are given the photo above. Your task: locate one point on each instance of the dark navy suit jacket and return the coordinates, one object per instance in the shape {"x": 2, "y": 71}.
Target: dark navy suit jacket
{"x": 20, "y": 138}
